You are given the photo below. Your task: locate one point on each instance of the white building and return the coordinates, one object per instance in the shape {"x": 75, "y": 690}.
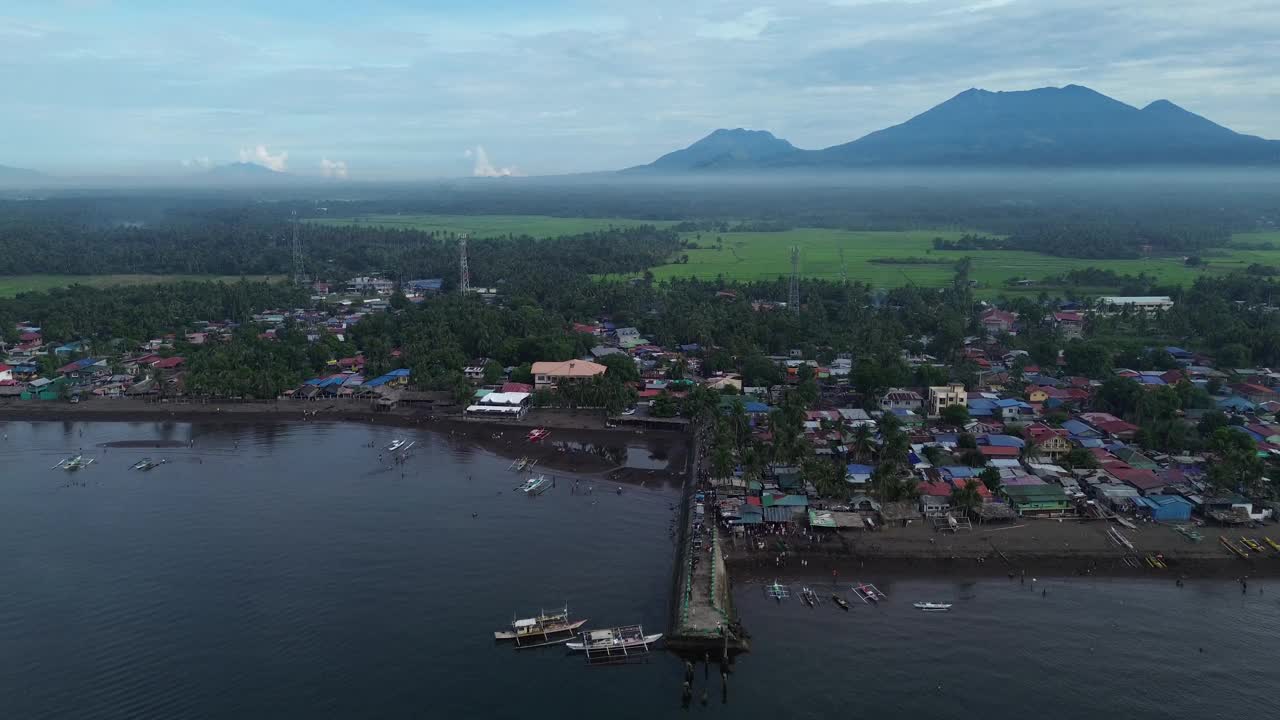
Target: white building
{"x": 1145, "y": 303}
{"x": 941, "y": 396}
{"x": 366, "y": 285}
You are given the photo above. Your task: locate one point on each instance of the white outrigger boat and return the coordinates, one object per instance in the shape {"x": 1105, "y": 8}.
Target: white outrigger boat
{"x": 146, "y": 464}
{"x": 395, "y": 445}
{"x": 73, "y": 463}
{"x": 545, "y": 629}
{"x": 932, "y": 606}
{"x": 535, "y": 486}
{"x": 869, "y": 593}
{"x": 615, "y": 644}
{"x": 518, "y": 464}
{"x": 777, "y": 591}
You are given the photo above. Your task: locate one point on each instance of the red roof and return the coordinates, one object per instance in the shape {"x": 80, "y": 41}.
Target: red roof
{"x": 1040, "y": 432}
{"x": 516, "y": 387}
{"x": 1068, "y": 317}
{"x": 4, "y": 367}
{"x": 29, "y": 336}
{"x": 939, "y": 488}
{"x": 1253, "y": 389}
{"x": 168, "y": 363}
{"x": 1141, "y": 479}
{"x": 998, "y": 315}
{"x": 1116, "y": 427}
{"x": 649, "y": 393}
{"x": 753, "y": 500}
{"x": 998, "y": 451}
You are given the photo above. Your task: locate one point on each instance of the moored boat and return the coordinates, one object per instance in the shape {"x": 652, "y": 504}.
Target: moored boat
{"x": 841, "y": 602}
{"x": 869, "y": 593}
{"x": 809, "y": 597}
{"x": 140, "y": 464}
{"x": 535, "y": 486}
{"x": 544, "y": 629}
{"x": 1274, "y": 545}
{"x": 538, "y": 434}
{"x": 932, "y": 606}
{"x": 614, "y": 643}
{"x": 396, "y": 445}
{"x": 777, "y": 591}
{"x": 73, "y": 463}
{"x": 1251, "y": 544}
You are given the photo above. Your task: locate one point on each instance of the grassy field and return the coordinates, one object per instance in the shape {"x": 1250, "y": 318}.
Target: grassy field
{"x": 753, "y": 256}
{"x": 539, "y": 226}
{"x": 14, "y": 284}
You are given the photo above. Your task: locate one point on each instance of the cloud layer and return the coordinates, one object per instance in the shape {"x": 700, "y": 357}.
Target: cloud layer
{"x": 261, "y": 156}
{"x": 562, "y": 86}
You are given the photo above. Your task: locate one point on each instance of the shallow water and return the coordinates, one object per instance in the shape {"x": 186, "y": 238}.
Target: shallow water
{"x": 279, "y": 571}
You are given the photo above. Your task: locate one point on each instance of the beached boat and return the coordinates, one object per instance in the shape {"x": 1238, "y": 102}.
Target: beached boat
{"x": 617, "y": 643}
{"x": 1274, "y": 545}
{"x": 809, "y": 597}
{"x": 538, "y": 434}
{"x": 932, "y": 606}
{"x": 535, "y": 486}
{"x": 1251, "y": 544}
{"x": 1235, "y": 550}
{"x": 840, "y": 602}
{"x": 544, "y": 629}
{"x": 395, "y": 445}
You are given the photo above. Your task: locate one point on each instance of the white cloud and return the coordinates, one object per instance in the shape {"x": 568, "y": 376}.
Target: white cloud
{"x": 198, "y": 162}
{"x": 333, "y": 168}
{"x": 483, "y": 167}
{"x": 261, "y": 156}
{"x": 746, "y": 26}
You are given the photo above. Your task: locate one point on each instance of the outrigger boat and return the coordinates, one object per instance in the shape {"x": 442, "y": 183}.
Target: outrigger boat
{"x": 147, "y": 465}
{"x": 518, "y": 465}
{"x": 1251, "y": 544}
{"x": 541, "y": 630}
{"x": 538, "y": 434}
{"x": 395, "y": 445}
{"x": 1227, "y": 543}
{"x": 1274, "y": 545}
{"x": 809, "y": 597}
{"x": 777, "y": 591}
{"x": 615, "y": 644}
{"x": 841, "y": 602}
{"x": 869, "y": 593}
{"x": 535, "y": 486}
{"x": 932, "y": 606}
{"x": 73, "y": 463}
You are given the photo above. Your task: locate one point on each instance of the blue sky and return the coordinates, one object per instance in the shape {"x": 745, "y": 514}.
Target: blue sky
{"x": 381, "y": 89}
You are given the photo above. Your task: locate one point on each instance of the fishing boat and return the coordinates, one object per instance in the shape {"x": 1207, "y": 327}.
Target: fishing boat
{"x": 1251, "y": 544}
{"x": 538, "y": 434}
{"x": 73, "y": 463}
{"x": 1274, "y": 545}
{"x": 841, "y": 602}
{"x": 395, "y": 445}
{"x": 614, "y": 644}
{"x": 518, "y": 464}
{"x": 150, "y": 465}
{"x": 869, "y": 593}
{"x": 1235, "y": 550}
{"x": 535, "y": 486}
{"x": 140, "y": 464}
{"x": 777, "y": 591}
{"x": 932, "y": 606}
{"x": 809, "y": 597}
{"x": 544, "y": 629}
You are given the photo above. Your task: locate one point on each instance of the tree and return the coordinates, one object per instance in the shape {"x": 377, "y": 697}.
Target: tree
{"x": 1080, "y": 458}
{"x": 1118, "y": 396}
{"x": 955, "y": 415}
{"x": 1233, "y": 355}
{"x": 991, "y": 478}
{"x": 967, "y": 441}
{"x": 492, "y": 372}
{"x": 965, "y": 496}
{"x": 935, "y": 455}
{"x": 760, "y": 371}
{"x": 1238, "y": 467}
{"x": 523, "y": 374}
{"x": 664, "y": 406}
{"x": 827, "y": 477}
{"x": 621, "y": 367}
{"x": 1030, "y": 450}
{"x": 1086, "y": 358}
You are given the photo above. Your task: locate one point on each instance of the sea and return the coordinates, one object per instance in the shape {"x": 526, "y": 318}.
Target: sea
{"x": 296, "y": 571}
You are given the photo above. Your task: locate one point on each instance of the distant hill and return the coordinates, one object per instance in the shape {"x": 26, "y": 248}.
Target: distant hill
{"x": 1047, "y": 127}
{"x": 245, "y": 170}
{"x": 724, "y": 149}
{"x": 14, "y": 173}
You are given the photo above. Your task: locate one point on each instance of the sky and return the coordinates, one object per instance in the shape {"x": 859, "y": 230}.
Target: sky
{"x": 382, "y": 89}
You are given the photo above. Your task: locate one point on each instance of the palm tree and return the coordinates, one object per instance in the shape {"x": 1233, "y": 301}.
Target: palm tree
{"x": 966, "y": 497}
{"x": 1030, "y": 450}
{"x": 864, "y": 443}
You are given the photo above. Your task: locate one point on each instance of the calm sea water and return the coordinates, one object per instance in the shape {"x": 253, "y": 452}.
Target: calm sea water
{"x": 278, "y": 571}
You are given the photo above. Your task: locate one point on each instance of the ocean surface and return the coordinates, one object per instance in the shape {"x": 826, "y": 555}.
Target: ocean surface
{"x": 283, "y": 571}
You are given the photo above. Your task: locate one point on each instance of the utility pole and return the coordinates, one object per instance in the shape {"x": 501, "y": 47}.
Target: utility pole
{"x": 793, "y": 298}
{"x": 299, "y": 276}
{"x": 844, "y": 269}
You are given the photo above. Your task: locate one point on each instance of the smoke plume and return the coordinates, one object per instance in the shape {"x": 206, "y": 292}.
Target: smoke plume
{"x": 484, "y": 168}
{"x": 261, "y": 156}
{"x": 333, "y": 168}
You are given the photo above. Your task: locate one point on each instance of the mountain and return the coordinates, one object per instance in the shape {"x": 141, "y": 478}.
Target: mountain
{"x": 724, "y": 149}
{"x": 245, "y": 170}
{"x": 18, "y": 174}
{"x": 1046, "y": 127}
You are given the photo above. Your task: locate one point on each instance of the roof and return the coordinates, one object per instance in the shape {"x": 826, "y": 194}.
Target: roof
{"x": 77, "y": 365}
{"x": 569, "y": 368}
{"x": 169, "y": 363}
{"x": 1003, "y": 441}
{"x": 1139, "y": 478}
{"x": 997, "y": 451}
{"x": 515, "y": 387}
{"x": 505, "y": 398}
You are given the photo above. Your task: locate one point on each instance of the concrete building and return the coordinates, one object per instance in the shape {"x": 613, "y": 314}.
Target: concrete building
{"x": 1145, "y": 303}
{"x": 944, "y": 395}
{"x": 549, "y": 374}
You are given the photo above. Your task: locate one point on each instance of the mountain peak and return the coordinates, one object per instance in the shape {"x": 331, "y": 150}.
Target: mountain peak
{"x": 724, "y": 148}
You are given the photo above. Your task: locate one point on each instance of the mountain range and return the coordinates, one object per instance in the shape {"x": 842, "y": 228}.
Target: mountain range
{"x": 13, "y": 173}
{"x": 1070, "y": 126}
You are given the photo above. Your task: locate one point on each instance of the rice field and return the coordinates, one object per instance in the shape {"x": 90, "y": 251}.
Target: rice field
{"x": 538, "y": 226}
{"x": 14, "y": 284}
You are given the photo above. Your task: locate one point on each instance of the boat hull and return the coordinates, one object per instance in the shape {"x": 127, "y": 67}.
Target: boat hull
{"x": 648, "y": 640}
{"x": 535, "y": 635}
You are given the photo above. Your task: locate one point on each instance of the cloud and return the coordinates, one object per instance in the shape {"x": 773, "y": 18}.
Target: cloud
{"x": 202, "y": 162}
{"x": 261, "y": 156}
{"x": 333, "y": 168}
{"x": 483, "y": 167}
{"x": 746, "y": 26}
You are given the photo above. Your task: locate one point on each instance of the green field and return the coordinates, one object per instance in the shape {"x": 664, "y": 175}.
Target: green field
{"x": 14, "y": 284}
{"x": 539, "y": 226}
{"x": 755, "y": 256}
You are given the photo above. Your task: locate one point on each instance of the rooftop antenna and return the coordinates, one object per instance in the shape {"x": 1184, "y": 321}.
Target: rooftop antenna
{"x": 844, "y": 269}
{"x": 464, "y": 281}
{"x": 299, "y": 276}
{"x": 793, "y": 298}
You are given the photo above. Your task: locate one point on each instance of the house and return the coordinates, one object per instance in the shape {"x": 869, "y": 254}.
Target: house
{"x": 45, "y": 389}
{"x": 500, "y": 404}
{"x": 1037, "y": 499}
{"x": 475, "y": 371}
{"x": 364, "y": 285}
{"x": 1069, "y": 323}
{"x": 1164, "y": 508}
{"x": 1254, "y": 392}
{"x": 1011, "y": 409}
{"x": 996, "y": 321}
{"x": 84, "y": 369}
{"x": 6, "y": 372}
{"x": 945, "y": 395}
{"x": 422, "y": 288}
{"x": 900, "y": 399}
{"x": 935, "y": 498}
{"x": 627, "y": 335}
{"x": 547, "y": 375}
{"x": 1052, "y": 442}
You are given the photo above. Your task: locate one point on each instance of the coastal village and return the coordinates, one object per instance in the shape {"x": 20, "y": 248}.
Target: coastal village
{"x": 1017, "y": 443}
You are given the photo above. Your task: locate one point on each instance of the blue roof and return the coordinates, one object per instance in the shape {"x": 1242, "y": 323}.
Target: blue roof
{"x": 427, "y": 284}
{"x": 959, "y": 471}
{"x": 1004, "y": 441}
{"x": 1075, "y": 427}
{"x": 1010, "y": 402}
{"x": 856, "y": 469}
{"x": 1151, "y": 380}
{"x": 1177, "y": 351}
{"x": 980, "y": 412}
{"x": 755, "y": 407}
{"x": 902, "y": 412}
{"x": 1043, "y": 380}
{"x": 946, "y": 438}
{"x": 691, "y": 347}
{"x": 377, "y": 382}
{"x": 779, "y": 514}
{"x": 977, "y": 403}
{"x": 399, "y": 372}
{"x": 1090, "y": 442}
{"x": 1234, "y": 403}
